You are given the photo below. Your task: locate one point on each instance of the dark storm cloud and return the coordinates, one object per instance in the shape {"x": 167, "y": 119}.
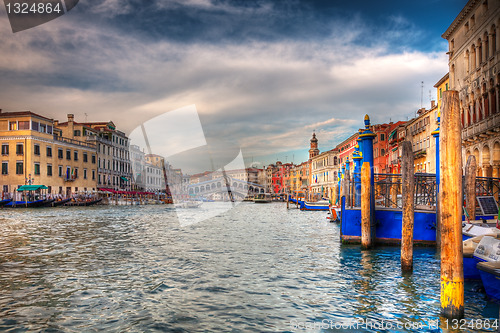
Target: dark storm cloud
{"x": 262, "y": 74}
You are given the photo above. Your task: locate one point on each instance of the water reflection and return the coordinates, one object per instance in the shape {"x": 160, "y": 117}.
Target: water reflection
{"x": 255, "y": 268}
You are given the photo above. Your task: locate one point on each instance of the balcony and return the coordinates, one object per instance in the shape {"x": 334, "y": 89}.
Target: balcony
{"x": 74, "y": 142}
{"x": 483, "y": 128}
{"x": 420, "y": 153}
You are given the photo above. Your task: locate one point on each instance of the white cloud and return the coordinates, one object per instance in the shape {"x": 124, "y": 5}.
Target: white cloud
{"x": 267, "y": 96}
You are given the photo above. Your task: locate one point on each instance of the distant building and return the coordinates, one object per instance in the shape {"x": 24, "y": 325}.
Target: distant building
{"x": 418, "y": 132}
{"x": 114, "y": 169}
{"x": 346, "y": 149}
{"x": 396, "y": 137}
{"x": 324, "y": 172}
{"x": 34, "y": 151}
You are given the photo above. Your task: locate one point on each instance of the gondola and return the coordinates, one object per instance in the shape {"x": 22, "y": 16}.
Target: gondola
{"x": 55, "y": 203}
{"x": 25, "y": 204}
{"x": 4, "y": 202}
{"x": 83, "y": 203}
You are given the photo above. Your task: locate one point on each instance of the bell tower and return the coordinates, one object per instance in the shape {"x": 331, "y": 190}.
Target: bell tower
{"x": 314, "y": 151}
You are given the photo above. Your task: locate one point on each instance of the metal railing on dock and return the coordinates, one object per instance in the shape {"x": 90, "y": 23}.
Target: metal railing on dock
{"x": 387, "y": 191}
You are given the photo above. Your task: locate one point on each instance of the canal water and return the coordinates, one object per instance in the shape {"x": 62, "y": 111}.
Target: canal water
{"x": 254, "y": 268}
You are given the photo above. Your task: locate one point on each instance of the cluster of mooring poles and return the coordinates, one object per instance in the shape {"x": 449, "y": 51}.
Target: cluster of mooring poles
{"x": 449, "y": 202}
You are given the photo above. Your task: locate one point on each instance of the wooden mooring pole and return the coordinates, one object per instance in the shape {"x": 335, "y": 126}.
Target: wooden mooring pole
{"x": 366, "y": 239}
{"x": 470, "y": 186}
{"x": 408, "y": 180}
{"x": 452, "y": 275}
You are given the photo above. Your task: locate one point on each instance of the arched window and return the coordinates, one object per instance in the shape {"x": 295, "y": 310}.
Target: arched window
{"x": 486, "y": 101}
{"x": 493, "y": 40}
{"x": 486, "y": 47}
{"x": 473, "y": 57}
{"x": 467, "y": 61}
{"x": 479, "y": 52}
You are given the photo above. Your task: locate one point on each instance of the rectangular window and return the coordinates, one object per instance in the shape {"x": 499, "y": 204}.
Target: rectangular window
{"x": 60, "y": 170}
{"x": 60, "y": 153}
{"x": 76, "y": 132}
{"x": 5, "y": 168}
{"x": 37, "y": 168}
{"x": 76, "y": 155}
{"x": 93, "y": 159}
{"x": 49, "y": 169}
{"x": 85, "y": 157}
{"x": 49, "y": 129}
{"x": 382, "y": 137}
{"x": 84, "y": 173}
{"x": 19, "y": 149}
{"x": 34, "y": 125}
{"x": 36, "y": 149}
{"x": 68, "y": 154}
{"x": 19, "y": 168}
{"x": 93, "y": 175}
{"x": 43, "y": 128}
{"x": 49, "y": 151}
{"x": 5, "y": 149}
{"x": 75, "y": 173}
{"x": 12, "y": 125}
{"x": 24, "y": 125}
{"x": 68, "y": 173}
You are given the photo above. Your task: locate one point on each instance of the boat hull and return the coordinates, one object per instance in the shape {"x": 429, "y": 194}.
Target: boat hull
{"x": 83, "y": 203}
{"x": 491, "y": 281}
{"x": 4, "y": 202}
{"x": 25, "y": 204}
{"x": 57, "y": 203}
{"x": 470, "y": 270}
{"x": 313, "y": 206}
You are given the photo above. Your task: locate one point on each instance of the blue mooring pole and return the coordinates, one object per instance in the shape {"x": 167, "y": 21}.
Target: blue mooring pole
{"x": 367, "y": 137}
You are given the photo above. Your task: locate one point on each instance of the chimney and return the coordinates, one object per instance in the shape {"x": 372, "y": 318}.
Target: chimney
{"x": 0, "y": 110}
{"x": 433, "y": 104}
{"x": 71, "y": 126}
{"x": 56, "y": 122}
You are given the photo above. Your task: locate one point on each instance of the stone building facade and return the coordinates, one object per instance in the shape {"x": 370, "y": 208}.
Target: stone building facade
{"x": 35, "y": 152}
{"x": 474, "y": 71}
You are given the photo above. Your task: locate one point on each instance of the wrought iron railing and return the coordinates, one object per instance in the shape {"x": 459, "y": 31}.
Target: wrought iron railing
{"x": 388, "y": 191}
{"x": 487, "y": 186}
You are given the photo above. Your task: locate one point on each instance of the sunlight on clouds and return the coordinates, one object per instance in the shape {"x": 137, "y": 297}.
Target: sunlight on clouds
{"x": 266, "y": 95}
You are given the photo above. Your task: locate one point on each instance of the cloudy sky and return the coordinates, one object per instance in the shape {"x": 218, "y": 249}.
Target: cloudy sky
{"x": 262, "y": 74}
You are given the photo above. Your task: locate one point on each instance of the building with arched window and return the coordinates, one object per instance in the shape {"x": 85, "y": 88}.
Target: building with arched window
{"x": 474, "y": 71}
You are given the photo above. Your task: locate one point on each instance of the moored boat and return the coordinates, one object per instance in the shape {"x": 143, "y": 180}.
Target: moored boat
{"x": 262, "y": 198}
{"x": 4, "y": 202}
{"x": 490, "y": 275}
{"x": 334, "y": 214}
{"x": 56, "y": 202}
{"x": 83, "y": 203}
{"x": 189, "y": 204}
{"x": 487, "y": 254}
{"x": 316, "y": 205}
{"x": 478, "y": 228}
{"x": 25, "y": 204}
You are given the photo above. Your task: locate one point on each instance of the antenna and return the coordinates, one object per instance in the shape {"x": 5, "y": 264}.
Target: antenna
{"x": 422, "y": 94}
{"x": 85, "y": 117}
